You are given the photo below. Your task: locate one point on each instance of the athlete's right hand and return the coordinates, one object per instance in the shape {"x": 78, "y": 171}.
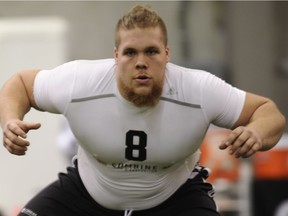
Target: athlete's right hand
{"x": 15, "y": 134}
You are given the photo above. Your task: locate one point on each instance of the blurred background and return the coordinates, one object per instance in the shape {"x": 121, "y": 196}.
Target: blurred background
{"x": 245, "y": 43}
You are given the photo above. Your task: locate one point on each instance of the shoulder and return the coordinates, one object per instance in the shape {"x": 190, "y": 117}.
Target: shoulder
{"x": 89, "y": 66}
{"x": 193, "y": 84}
{"x": 191, "y": 77}
{"x": 185, "y": 84}
{"x": 80, "y": 66}
{"x": 180, "y": 71}
{"x": 93, "y": 70}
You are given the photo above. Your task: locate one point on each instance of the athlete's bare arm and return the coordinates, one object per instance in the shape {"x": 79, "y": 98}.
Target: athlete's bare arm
{"x": 259, "y": 127}
{"x": 17, "y": 98}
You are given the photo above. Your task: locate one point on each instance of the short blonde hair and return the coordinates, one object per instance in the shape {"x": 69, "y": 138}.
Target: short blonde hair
{"x": 141, "y": 16}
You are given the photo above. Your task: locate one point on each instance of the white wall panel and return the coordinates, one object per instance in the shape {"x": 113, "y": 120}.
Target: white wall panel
{"x": 27, "y": 43}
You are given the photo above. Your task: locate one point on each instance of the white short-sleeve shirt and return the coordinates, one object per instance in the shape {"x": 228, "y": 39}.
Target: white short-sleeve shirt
{"x": 129, "y": 157}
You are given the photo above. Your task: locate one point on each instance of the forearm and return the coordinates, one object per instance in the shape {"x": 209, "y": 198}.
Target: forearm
{"x": 259, "y": 127}
{"x": 268, "y": 121}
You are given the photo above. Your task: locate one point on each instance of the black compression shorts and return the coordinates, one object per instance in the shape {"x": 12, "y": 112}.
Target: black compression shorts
{"x": 68, "y": 197}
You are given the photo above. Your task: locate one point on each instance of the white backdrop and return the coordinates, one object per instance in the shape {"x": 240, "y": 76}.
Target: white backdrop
{"x": 27, "y": 43}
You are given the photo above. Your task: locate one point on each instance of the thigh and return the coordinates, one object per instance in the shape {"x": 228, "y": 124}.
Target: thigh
{"x": 66, "y": 196}
{"x": 49, "y": 201}
{"x": 190, "y": 200}
{"x": 193, "y": 198}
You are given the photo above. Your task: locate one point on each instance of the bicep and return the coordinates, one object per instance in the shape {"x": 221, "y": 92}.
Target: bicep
{"x": 27, "y": 79}
{"x": 251, "y": 104}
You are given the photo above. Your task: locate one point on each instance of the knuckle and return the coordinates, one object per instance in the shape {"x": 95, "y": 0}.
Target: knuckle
{"x": 5, "y": 133}
{"x": 11, "y": 125}
{"x": 241, "y": 140}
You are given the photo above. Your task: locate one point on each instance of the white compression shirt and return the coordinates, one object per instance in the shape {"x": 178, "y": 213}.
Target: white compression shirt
{"x": 135, "y": 158}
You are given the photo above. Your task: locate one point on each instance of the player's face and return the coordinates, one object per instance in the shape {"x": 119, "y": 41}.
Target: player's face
{"x": 141, "y": 59}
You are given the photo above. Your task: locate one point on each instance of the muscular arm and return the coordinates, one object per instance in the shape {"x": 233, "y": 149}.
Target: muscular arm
{"x": 259, "y": 127}
{"x": 17, "y": 98}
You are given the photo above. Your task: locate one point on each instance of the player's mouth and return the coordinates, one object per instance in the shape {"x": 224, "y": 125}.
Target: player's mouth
{"x": 142, "y": 79}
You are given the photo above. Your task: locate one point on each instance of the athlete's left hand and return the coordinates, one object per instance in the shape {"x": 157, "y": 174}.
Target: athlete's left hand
{"x": 242, "y": 142}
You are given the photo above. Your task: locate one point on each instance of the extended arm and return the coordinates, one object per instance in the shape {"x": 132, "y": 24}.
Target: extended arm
{"x": 259, "y": 127}
{"x": 17, "y": 98}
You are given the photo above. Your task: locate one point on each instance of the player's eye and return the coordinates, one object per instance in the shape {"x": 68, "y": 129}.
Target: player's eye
{"x": 152, "y": 51}
{"x": 129, "y": 52}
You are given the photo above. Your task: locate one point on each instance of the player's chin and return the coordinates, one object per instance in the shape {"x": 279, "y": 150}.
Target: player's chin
{"x": 143, "y": 90}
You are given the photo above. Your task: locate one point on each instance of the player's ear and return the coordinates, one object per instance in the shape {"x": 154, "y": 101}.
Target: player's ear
{"x": 115, "y": 55}
{"x": 167, "y": 54}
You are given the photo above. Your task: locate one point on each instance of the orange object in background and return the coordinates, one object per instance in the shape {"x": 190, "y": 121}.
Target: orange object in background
{"x": 272, "y": 164}
{"x": 221, "y": 163}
